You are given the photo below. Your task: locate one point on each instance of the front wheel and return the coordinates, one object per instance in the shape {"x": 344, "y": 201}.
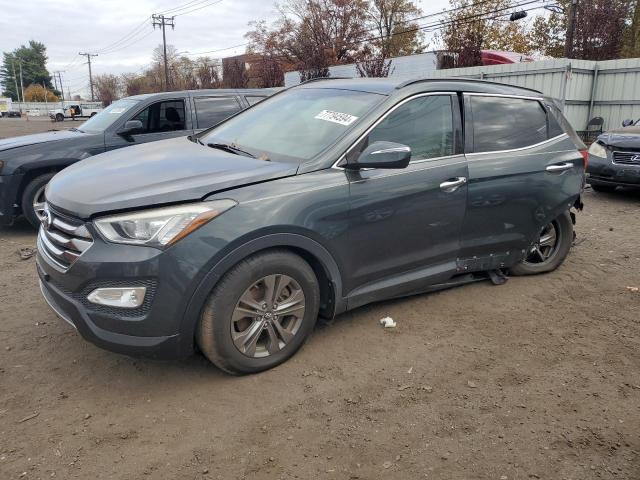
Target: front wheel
{"x": 33, "y": 199}
{"x": 260, "y": 313}
{"x": 59, "y": 117}
{"x": 549, "y": 249}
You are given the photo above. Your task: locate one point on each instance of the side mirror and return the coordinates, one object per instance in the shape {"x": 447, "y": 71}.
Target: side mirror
{"x": 130, "y": 127}
{"x": 627, "y": 123}
{"x": 383, "y": 155}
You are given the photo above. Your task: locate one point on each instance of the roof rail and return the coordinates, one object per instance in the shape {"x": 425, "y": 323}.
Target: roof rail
{"x": 317, "y": 79}
{"x": 462, "y": 79}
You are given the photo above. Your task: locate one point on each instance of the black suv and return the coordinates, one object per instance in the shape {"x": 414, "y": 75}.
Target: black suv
{"x": 27, "y": 163}
{"x": 322, "y": 198}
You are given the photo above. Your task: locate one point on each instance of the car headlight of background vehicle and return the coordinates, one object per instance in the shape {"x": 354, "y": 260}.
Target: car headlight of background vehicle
{"x": 597, "y": 150}
{"x": 160, "y": 227}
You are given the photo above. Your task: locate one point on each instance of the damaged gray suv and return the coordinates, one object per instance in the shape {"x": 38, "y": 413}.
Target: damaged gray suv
{"x": 320, "y": 199}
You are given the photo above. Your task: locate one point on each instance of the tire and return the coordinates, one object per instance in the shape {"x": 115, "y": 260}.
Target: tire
{"x": 33, "y": 189}
{"x": 603, "y": 188}
{"x": 247, "y": 280}
{"x": 563, "y": 226}
{"x": 59, "y": 117}
{"x": 92, "y": 114}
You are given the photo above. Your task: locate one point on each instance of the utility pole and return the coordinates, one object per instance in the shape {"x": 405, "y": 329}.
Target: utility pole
{"x": 59, "y": 73}
{"x": 15, "y": 80}
{"x": 162, "y": 21}
{"x": 568, "y": 46}
{"x": 89, "y": 55}
{"x": 21, "y": 86}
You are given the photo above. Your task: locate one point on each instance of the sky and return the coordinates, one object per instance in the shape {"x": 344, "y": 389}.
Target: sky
{"x": 120, "y": 31}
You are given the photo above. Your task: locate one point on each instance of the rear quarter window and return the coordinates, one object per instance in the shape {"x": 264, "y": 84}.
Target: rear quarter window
{"x": 507, "y": 123}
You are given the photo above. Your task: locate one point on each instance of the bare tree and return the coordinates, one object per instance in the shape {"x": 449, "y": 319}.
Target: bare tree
{"x": 234, "y": 73}
{"x": 263, "y": 49}
{"x": 207, "y": 73}
{"x": 374, "y": 67}
{"x": 107, "y": 87}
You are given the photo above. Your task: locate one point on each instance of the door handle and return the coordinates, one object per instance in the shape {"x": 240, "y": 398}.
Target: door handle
{"x": 452, "y": 185}
{"x": 559, "y": 168}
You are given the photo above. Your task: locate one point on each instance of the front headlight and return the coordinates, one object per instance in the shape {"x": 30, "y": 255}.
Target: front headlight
{"x": 160, "y": 227}
{"x": 597, "y": 150}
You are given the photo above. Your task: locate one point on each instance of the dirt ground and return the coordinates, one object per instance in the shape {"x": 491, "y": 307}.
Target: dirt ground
{"x": 535, "y": 379}
{"x": 11, "y": 127}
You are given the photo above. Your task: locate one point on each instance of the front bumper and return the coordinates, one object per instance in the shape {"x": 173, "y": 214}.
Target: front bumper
{"x": 156, "y": 329}
{"x": 603, "y": 171}
{"x": 9, "y": 186}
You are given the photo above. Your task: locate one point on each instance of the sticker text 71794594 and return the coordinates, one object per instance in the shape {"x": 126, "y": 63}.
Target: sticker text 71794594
{"x": 336, "y": 117}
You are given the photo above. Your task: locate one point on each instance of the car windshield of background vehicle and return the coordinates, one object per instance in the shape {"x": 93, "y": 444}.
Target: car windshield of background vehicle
{"x": 103, "y": 120}
{"x": 296, "y": 125}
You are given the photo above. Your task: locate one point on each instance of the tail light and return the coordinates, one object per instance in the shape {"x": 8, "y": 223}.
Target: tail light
{"x": 585, "y": 157}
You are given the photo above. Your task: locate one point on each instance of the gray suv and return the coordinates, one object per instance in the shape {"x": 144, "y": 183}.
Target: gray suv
{"x": 320, "y": 199}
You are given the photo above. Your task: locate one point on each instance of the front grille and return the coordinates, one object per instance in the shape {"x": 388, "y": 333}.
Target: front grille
{"x": 63, "y": 239}
{"x": 626, "y": 158}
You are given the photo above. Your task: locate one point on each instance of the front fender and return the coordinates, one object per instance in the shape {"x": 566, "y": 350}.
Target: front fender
{"x": 274, "y": 240}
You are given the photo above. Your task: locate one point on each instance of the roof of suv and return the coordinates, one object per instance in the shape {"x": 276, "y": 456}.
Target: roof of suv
{"x": 386, "y": 86}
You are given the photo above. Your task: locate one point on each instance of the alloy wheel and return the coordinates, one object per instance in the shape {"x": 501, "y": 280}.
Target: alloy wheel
{"x": 545, "y": 246}
{"x": 267, "y": 316}
{"x": 38, "y": 202}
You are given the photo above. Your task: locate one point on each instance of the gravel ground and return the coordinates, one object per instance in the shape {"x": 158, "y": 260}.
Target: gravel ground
{"x": 537, "y": 378}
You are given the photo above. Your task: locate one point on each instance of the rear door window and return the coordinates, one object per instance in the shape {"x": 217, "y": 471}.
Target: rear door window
{"x": 212, "y": 110}
{"x": 507, "y": 123}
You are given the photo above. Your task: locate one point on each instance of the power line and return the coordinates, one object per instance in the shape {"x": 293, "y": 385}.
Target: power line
{"x": 126, "y": 37}
{"x": 199, "y": 8}
{"x": 185, "y": 6}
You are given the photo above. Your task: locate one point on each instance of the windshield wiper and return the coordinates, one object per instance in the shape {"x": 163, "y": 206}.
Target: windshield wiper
{"x": 74, "y": 129}
{"x": 231, "y": 149}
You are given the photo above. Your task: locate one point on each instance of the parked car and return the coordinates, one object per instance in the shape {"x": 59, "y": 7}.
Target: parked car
{"x": 27, "y": 163}
{"x": 78, "y": 110}
{"x": 614, "y": 159}
{"x": 12, "y": 114}
{"x": 322, "y": 198}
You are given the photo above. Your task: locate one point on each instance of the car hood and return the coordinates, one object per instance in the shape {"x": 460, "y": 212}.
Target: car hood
{"x": 25, "y": 140}
{"x": 156, "y": 173}
{"x": 628, "y": 137}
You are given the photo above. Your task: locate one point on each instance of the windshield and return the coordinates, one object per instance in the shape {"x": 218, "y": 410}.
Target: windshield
{"x": 295, "y": 125}
{"x": 103, "y": 120}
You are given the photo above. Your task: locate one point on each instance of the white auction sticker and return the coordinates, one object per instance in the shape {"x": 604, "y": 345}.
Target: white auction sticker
{"x": 336, "y": 117}
{"x": 117, "y": 110}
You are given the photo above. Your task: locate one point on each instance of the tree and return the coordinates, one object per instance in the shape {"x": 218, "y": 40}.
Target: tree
{"x": 312, "y": 35}
{"x": 37, "y": 93}
{"x": 234, "y": 73}
{"x": 207, "y": 73}
{"x": 107, "y": 87}
{"x": 474, "y": 26}
{"x": 33, "y": 58}
{"x": 603, "y": 30}
{"x": 631, "y": 46}
{"x": 264, "y": 48}
{"x": 395, "y": 33}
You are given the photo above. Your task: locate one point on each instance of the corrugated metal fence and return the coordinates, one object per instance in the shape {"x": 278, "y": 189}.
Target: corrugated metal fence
{"x": 588, "y": 89}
